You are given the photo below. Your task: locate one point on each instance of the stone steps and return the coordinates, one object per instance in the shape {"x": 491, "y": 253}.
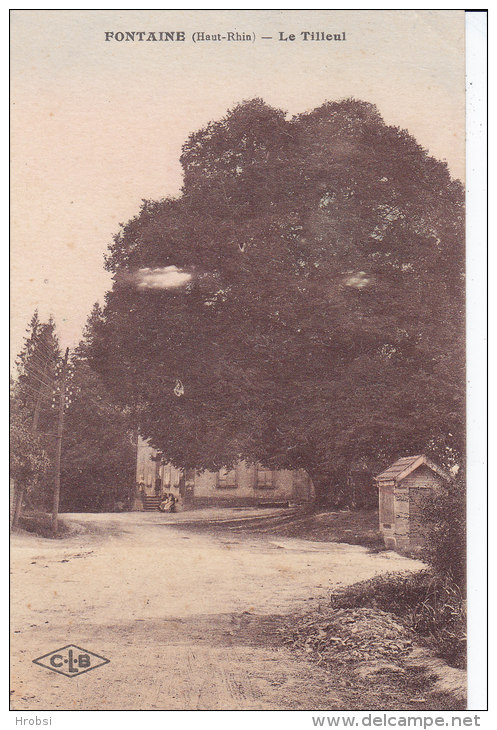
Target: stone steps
{"x": 151, "y": 504}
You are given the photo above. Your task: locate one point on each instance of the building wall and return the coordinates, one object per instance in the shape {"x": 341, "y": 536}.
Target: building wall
{"x": 145, "y": 467}
{"x": 401, "y": 526}
{"x": 249, "y": 484}
{"x": 170, "y": 476}
{"x": 407, "y": 528}
{"x": 425, "y": 483}
{"x": 246, "y": 484}
{"x": 387, "y": 510}
{"x": 147, "y": 471}
{"x": 423, "y": 476}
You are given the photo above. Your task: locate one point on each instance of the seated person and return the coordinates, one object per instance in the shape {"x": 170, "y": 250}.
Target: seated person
{"x": 167, "y": 505}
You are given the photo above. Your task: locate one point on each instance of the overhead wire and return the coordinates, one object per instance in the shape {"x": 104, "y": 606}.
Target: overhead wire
{"x": 40, "y": 380}
{"x": 45, "y": 348}
{"x": 27, "y": 389}
{"x": 37, "y": 367}
{"x": 32, "y": 366}
{"x": 33, "y": 372}
{"x": 39, "y": 358}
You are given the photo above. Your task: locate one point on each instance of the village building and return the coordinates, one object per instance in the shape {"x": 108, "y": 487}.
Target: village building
{"x": 244, "y": 485}
{"x": 402, "y": 489}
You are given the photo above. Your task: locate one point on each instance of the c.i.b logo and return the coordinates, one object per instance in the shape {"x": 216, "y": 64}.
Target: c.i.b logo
{"x": 71, "y": 661}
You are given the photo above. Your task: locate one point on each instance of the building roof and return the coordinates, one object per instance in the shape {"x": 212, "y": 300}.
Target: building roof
{"x": 405, "y": 466}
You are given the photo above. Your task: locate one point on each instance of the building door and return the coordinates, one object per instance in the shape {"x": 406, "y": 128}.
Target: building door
{"x": 387, "y": 512}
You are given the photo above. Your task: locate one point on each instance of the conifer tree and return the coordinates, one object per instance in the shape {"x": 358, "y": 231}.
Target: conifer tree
{"x": 32, "y": 416}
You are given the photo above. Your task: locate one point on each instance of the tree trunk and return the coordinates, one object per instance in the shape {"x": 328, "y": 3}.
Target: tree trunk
{"x": 329, "y": 488}
{"x": 322, "y": 491}
{"x": 18, "y": 499}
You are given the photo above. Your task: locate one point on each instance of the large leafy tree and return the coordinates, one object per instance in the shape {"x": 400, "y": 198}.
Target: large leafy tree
{"x": 98, "y": 448}
{"x": 323, "y": 319}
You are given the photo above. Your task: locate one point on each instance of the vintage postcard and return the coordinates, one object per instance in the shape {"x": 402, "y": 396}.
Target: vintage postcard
{"x": 238, "y": 383}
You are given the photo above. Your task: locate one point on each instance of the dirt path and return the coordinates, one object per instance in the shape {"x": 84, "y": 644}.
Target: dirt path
{"x": 187, "y": 620}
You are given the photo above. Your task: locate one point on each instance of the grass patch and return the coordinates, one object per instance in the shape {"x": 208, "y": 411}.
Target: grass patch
{"x": 432, "y": 606}
{"x": 40, "y": 523}
{"x": 355, "y": 527}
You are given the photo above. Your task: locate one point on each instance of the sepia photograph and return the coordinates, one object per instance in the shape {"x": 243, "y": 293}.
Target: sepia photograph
{"x": 238, "y": 342}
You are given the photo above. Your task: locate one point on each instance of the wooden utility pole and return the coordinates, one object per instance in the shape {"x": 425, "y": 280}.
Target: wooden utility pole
{"x": 58, "y": 447}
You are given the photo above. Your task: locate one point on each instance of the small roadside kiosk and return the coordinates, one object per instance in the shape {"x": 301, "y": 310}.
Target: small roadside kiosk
{"x": 402, "y": 488}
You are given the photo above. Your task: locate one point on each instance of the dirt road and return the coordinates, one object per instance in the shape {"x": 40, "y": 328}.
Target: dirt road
{"x": 187, "y": 620}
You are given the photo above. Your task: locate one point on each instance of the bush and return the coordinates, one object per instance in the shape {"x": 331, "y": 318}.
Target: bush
{"x": 444, "y": 514}
{"x": 441, "y": 615}
{"x": 431, "y": 605}
{"x": 394, "y": 592}
{"x": 29, "y": 461}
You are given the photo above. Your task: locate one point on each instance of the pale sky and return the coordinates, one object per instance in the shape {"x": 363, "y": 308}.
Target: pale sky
{"x": 98, "y": 126}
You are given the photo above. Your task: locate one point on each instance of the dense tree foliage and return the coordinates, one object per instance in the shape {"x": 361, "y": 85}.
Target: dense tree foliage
{"x": 29, "y": 460}
{"x": 37, "y": 365}
{"x": 98, "y": 445}
{"x": 444, "y": 519}
{"x": 32, "y": 417}
{"x": 323, "y": 320}
{"x": 98, "y": 448}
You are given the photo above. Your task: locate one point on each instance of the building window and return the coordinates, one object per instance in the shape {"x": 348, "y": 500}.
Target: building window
{"x": 226, "y": 479}
{"x": 264, "y": 478}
